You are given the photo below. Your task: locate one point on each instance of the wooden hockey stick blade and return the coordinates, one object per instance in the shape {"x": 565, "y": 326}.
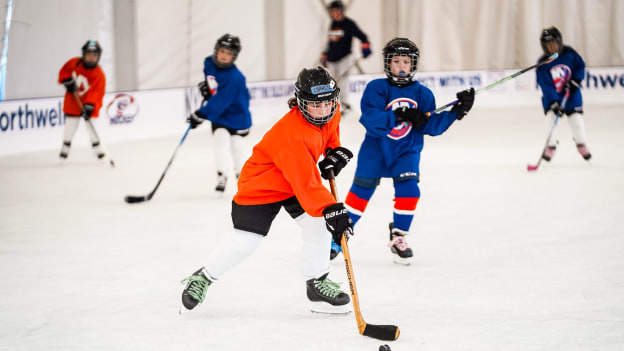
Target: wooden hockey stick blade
{"x": 382, "y": 332}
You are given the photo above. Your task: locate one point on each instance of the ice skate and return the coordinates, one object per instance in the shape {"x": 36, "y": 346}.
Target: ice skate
{"x": 97, "y": 149}
{"x": 326, "y": 297}
{"x": 549, "y": 153}
{"x": 65, "y": 150}
{"x": 582, "y": 149}
{"x": 335, "y": 250}
{"x": 401, "y": 253}
{"x": 221, "y": 181}
{"x": 195, "y": 290}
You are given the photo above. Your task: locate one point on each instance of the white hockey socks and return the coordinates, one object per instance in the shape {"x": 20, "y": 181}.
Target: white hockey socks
{"x": 550, "y": 121}
{"x": 316, "y": 246}
{"x": 577, "y": 126}
{"x": 239, "y": 153}
{"x": 232, "y": 250}
{"x": 222, "y": 150}
{"x": 71, "y": 126}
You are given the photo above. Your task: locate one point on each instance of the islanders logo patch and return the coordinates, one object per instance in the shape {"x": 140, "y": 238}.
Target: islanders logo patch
{"x": 402, "y": 129}
{"x": 560, "y": 74}
{"x": 122, "y": 109}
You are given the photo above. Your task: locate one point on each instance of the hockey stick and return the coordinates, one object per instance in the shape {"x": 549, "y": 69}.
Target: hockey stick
{"x": 381, "y": 332}
{"x": 92, "y": 128}
{"x": 532, "y": 168}
{"x": 508, "y": 78}
{"x": 134, "y": 199}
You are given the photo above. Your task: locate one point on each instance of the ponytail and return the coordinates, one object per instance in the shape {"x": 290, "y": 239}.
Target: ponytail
{"x": 292, "y": 102}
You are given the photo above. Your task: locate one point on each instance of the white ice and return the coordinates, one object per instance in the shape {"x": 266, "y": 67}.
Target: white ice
{"x": 504, "y": 259}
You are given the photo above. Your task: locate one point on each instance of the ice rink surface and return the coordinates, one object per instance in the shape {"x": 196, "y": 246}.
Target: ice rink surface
{"x": 504, "y": 259}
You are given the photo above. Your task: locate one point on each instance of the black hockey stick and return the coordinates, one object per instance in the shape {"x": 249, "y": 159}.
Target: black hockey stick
{"x": 135, "y": 199}
{"x": 499, "y": 82}
{"x": 532, "y": 168}
{"x": 381, "y": 332}
{"x": 90, "y": 126}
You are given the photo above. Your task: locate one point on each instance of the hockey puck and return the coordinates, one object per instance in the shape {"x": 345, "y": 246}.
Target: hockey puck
{"x": 384, "y": 347}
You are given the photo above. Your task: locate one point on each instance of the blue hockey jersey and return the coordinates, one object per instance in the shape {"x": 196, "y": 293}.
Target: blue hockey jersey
{"x": 553, "y": 76}
{"x": 229, "y": 104}
{"x": 390, "y": 148}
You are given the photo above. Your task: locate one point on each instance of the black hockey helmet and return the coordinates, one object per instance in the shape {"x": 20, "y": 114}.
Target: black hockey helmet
{"x": 229, "y": 42}
{"x": 91, "y": 46}
{"x": 400, "y": 47}
{"x": 551, "y": 34}
{"x": 336, "y": 4}
{"x": 313, "y": 86}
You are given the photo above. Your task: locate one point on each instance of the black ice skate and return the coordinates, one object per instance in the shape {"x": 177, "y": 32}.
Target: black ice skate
{"x": 326, "y": 297}
{"x": 401, "y": 253}
{"x": 221, "y": 180}
{"x": 97, "y": 149}
{"x": 65, "y": 149}
{"x": 195, "y": 290}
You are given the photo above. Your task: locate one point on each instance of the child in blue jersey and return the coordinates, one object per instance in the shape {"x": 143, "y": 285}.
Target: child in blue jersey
{"x": 394, "y": 115}
{"x": 555, "y": 78}
{"x": 225, "y": 91}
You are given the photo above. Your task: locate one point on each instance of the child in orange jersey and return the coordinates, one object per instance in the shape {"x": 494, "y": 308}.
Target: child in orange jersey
{"x": 83, "y": 76}
{"x": 282, "y": 173}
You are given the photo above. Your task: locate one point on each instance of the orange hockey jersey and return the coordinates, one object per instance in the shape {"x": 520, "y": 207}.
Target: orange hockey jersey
{"x": 90, "y": 85}
{"x": 283, "y": 164}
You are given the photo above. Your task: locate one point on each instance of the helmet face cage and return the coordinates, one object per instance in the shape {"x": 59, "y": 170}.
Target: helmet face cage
{"x": 317, "y": 96}
{"x": 551, "y": 34}
{"x": 318, "y": 112}
{"x": 401, "y": 47}
{"x": 91, "y": 46}
{"x": 229, "y": 42}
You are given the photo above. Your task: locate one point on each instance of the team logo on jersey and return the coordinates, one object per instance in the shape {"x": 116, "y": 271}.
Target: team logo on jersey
{"x": 335, "y": 34}
{"x": 402, "y": 129}
{"x": 213, "y": 85}
{"x": 82, "y": 83}
{"x": 560, "y": 76}
{"x": 122, "y": 109}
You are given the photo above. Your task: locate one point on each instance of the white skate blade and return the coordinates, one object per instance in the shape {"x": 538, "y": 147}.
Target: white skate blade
{"x": 183, "y": 310}
{"x": 400, "y": 260}
{"x": 326, "y": 308}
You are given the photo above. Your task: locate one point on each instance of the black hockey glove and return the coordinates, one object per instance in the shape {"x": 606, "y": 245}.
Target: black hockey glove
{"x": 196, "y": 118}
{"x": 87, "y": 111}
{"x": 338, "y": 222}
{"x": 556, "y": 108}
{"x": 204, "y": 89}
{"x": 573, "y": 85}
{"x": 466, "y": 99}
{"x": 70, "y": 85}
{"x": 334, "y": 160}
{"x": 412, "y": 115}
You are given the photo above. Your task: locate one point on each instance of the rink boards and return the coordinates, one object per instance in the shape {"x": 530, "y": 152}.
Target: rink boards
{"x": 37, "y": 124}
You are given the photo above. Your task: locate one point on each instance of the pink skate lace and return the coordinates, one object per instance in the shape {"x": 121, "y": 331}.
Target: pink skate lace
{"x": 399, "y": 242}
